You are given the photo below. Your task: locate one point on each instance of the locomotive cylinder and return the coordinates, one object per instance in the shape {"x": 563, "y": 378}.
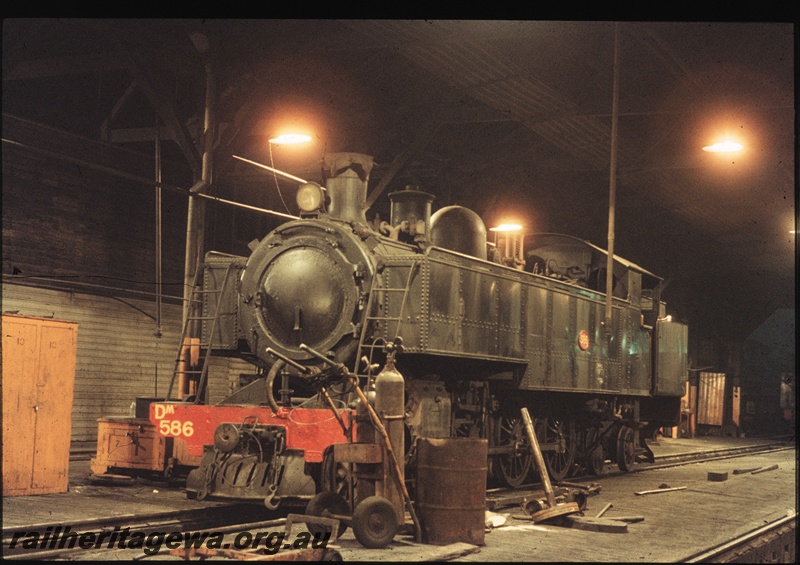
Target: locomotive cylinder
{"x": 390, "y": 407}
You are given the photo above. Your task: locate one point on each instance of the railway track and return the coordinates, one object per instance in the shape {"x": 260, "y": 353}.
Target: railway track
{"x": 772, "y": 543}
{"x": 723, "y": 453}
{"x": 238, "y": 518}
{"x": 101, "y": 532}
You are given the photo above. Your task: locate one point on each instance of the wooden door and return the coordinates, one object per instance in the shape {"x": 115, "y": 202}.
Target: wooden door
{"x": 38, "y": 384}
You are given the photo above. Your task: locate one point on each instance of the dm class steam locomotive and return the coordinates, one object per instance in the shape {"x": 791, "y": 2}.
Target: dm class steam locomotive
{"x": 487, "y": 328}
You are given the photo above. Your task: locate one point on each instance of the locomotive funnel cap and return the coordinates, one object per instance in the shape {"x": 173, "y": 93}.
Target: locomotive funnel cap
{"x": 335, "y": 164}
{"x": 347, "y": 177}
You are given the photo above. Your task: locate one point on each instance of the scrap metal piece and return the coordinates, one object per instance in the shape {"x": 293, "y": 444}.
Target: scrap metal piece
{"x": 629, "y": 519}
{"x": 537, "y": 500}
{"x": 743, "y": 471}
{"x": 555, "y": 511}
{"x": 590, "y": 489}
{"x": 772, "y": 468}
{"x": 604, "y": 510}
{"x": 642, "y": 492}
{"x": 609, "y": 525}
{"x": 717, "y": 477}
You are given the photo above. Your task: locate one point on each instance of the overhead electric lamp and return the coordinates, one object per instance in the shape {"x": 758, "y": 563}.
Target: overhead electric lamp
{"x": 506, "y": 227}
{"x": 723, "y": 147}
{"x": 290, "y": 139}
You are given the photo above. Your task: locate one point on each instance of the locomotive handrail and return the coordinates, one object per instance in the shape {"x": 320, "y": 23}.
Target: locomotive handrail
{"x": 209, "y": 346}
{"x": 175, "y": 371}
{"x": 412, "y": 267}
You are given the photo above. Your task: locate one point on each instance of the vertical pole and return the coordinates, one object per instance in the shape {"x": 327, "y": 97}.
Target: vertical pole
{"x": 158, "y": 232}
{"x": 612, "y": 192}
{"x": 195, "y": 222}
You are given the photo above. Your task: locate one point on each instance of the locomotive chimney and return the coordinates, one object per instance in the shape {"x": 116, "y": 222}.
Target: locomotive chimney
{"x": 347, "y": 176}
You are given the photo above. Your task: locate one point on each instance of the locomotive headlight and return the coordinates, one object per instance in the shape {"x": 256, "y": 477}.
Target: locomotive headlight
{"x": 310, "y": 197}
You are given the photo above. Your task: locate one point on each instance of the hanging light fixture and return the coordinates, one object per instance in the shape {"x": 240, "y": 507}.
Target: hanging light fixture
{"x": 726, "y": 146}
{"x": 290, "y": 139}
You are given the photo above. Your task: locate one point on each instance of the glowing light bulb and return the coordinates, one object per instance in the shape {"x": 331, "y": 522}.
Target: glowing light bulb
{"x": 290, "y": 139}
{"x": 723, "y": 147}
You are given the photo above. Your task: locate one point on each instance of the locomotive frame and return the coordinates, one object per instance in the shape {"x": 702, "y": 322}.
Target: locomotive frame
{"x": 482, "y": 338}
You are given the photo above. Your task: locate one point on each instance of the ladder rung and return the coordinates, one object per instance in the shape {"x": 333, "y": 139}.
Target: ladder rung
{"x": 193, "y": 318}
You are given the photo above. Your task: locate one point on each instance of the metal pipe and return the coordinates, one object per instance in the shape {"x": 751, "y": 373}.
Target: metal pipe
{"x": 193, "y": 192}
{"x": 195, "y": 223}
{"x": 272, "y": 170}
{"x": 245, "y": 206}
{"x": 10, "y": 279}
{"x": 612, "y": 191}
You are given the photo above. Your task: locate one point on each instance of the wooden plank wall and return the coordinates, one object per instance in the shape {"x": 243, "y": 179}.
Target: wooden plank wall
{"x": 63, "y": 220}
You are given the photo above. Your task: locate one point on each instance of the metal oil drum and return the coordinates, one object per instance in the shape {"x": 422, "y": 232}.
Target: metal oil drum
{"x": 451, "y": 489}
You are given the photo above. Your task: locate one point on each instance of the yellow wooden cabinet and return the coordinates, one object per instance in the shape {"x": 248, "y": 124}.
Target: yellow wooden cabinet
{"x": 38, "y": 383}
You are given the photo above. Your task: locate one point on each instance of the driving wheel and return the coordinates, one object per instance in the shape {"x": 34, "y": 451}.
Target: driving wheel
{"x": 559, "y": 463}
{"x": 626, "y": 449}
{"x": 515, "y": 465}
{"x": 595, "y": 455}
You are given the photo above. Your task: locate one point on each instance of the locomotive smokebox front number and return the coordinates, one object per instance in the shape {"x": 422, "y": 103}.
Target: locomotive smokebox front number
{"x": 583, "y": 340}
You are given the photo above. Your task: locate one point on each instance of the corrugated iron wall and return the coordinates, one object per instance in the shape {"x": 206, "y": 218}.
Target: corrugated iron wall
{"x": 711, "y": 399}
{"x": 118, "y": 356}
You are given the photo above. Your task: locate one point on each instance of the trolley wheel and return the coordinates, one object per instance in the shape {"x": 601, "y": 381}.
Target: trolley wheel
{"x": 626, "y": 450}
{"x": 375, "y": 522}
{"x": 323, "y": 505}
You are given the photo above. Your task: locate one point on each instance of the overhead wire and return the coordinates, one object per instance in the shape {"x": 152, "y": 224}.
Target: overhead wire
{"x": 275, "y": 176}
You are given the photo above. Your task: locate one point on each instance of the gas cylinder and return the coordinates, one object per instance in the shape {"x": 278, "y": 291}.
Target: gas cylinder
{"x": 390, "y": 407}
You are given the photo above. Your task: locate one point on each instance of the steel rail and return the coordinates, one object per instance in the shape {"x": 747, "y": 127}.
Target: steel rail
{"x": 679, "y": 460}
{"x": 183, "y": 521}
{"x": 739, "y": 541}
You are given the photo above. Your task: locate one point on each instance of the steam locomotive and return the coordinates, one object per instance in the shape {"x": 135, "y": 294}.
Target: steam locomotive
{"x": 487, "y": 328}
